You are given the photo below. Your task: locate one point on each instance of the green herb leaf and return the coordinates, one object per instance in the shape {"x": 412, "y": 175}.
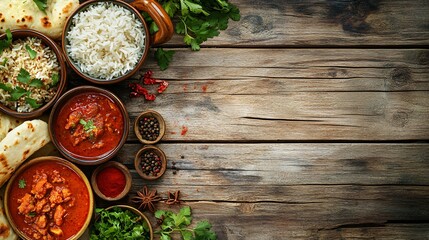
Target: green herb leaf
{"x": 23, "y": 76}
{"x": 4, "y": 61}
{"x": 6, "y": 87}
{"x": 5, "y": 43}
{"x": 33, "y": 103}
{"x": 32, "y": 214}
{"x": 88, "y": 126}
{"x": 36, "y": 82}
{"x": 163, "y": 57}
{"x": 41, "y": 4}
{"x": 55, "y": 79}
{"x": 31, "y": 52}
{"x": 17, "y": 93}
{"x": 22, "y": 183}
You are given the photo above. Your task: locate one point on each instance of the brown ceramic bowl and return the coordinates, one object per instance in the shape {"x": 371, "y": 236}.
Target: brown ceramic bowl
{"x": 22, "y": 34}
{"x": 56, "y": 128}
{"x": 146, "y": 114}
{"x": 138, "y": 162}
{"x": 134, "y": 210}
{"x": 81, "y": 191}
{"x": 116, "y": 165}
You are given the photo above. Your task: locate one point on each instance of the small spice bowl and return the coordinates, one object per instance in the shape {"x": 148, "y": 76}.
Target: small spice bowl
{"x": 109, "y": 183}
{"x": 143, "y": 127}
{"x": 144, "y": 154}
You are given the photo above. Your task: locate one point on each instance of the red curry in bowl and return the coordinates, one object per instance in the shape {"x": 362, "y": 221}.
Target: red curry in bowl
{"x": 49, "y": 199}
{"x": 89, "y": 125}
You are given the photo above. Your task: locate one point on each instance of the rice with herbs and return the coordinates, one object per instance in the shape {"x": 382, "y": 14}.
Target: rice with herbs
{"x": 23, "y": 96}
{"x": 106, "y": 40}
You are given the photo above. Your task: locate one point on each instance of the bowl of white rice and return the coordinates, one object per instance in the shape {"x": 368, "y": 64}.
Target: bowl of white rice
{"x": 105, "y": 41}
{"x": 32, "y": 73}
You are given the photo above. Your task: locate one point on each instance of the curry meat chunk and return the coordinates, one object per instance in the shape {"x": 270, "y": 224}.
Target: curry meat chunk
{"x": 42, "y": 206}
{"x": 26, "y": 204}
{"x": 58, "y": 215}
{"x": 56, "y": 231}
{"x": 41, "y": 185}
{"x": 41, "y": 221}
{"x": 56, "y": 177}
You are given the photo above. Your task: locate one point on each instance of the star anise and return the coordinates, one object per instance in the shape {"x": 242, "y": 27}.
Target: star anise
{"x": 173, "y": 198}
{"x": 146, "y": 199}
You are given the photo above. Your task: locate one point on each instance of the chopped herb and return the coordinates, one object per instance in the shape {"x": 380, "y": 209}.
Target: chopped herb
{"x": 22, "y": 183}
{"x": 32, "y": 214}
{"x": 36, "y": 82}
{"x": 5, "y": 43}
{"x": 17, "y": 93}
{"x": 55, "y": 79}
{"x": 24, "y": 76}
{"x": 6, "y": 87}
{"x": 4, "y": 61}
{"x": 33, "y": 103}
{"x": 31, "y": 52}
{"x": 88, "y": 126}
{"x": 41, "y": 4}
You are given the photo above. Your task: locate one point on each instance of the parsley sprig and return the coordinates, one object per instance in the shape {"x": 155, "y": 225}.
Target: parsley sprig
{"x": 5, "y": 43}
{"x": 197, "y": 21}
{"x": 180, "y": 223}
{"x": 88, "y": 126}
{"x": 22, "y": 183}
{"x": 41, "y": 4}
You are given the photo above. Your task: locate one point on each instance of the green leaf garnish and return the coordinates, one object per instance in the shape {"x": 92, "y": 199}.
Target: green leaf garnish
{"x": 31, "y": 52}
{"x": 33, "y": 103}
{"x": 41, "y": 4}
{"x": 36, "y": 82}
{"x": 88, "y": 126}
{"x": 17, "y": 93}
{"x": 24, "y": 76}
{"x": 55, "y": 79}
{"x": 4, "y": 61}
{"x": 6, "y": 87}
{"x": 164, "y": 57}
{"x": 22, "y": 183}
{"x": 32, "y": 214}
{"x": 5, "y": 43}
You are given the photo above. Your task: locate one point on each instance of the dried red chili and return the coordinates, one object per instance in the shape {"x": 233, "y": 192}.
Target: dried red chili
{"x": 138, "y": 90}
{"x": 111, "y": 181}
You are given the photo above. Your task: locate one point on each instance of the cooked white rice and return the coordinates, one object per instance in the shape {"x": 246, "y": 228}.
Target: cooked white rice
{"x": 43, "y": 67}
{"x": 106, "y": 40}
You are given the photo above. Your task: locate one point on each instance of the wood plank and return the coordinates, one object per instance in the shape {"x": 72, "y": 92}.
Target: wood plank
{"x": 298, "y": 94}
{"x": 325, "y": 23}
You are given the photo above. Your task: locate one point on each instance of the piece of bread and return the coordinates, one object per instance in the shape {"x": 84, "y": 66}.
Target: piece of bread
{"x": 7, "y": 124}
{"x": 6, "y": 232}
{"x": 24, "y": 14}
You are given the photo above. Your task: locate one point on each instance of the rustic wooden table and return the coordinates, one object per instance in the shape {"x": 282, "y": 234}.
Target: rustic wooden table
{"x": 306, "y": 119}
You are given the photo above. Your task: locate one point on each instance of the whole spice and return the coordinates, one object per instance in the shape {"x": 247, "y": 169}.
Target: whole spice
{"x": 151, "y": 163}
{"x": 173, "y": 198}
{"x": 149, "y": 128}
{"x": 138, "y": 90}
{"x": 111, "y": 181}
{"x": 146, "y": 199}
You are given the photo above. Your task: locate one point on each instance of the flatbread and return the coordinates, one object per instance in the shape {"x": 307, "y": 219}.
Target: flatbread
{"x": 6, "y": 232}
{"x": 7, "y": 124}
{"x": 19, "y": 144}
{"x": 24, "y": 14}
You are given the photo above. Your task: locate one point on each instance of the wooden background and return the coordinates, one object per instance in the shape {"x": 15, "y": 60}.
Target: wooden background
{"x": 304, "y": 120}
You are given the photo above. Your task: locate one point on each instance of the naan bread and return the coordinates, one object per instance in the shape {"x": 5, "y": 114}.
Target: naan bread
{"x": 23, "y": 14}
{"x": 7, "y": 124}
{"x": 19, "y": 144}
{"x": 6, "y": 232}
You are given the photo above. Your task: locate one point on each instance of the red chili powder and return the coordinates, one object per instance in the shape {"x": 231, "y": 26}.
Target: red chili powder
{"x": 184, "y": 130}
{"x": 111, "y": 181}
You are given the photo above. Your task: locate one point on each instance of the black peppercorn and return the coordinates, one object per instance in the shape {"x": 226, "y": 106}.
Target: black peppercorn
{"x": 149, "y": 128}
{"x": 151, "y": 163}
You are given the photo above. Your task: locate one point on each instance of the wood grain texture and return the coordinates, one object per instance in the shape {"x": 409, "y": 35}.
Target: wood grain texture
{"x": 292, "y": 94}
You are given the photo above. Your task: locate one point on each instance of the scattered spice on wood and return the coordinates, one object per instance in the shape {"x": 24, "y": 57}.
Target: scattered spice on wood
{"x": 174, "y": 168}
{"x": 173, "y": 198}
{"x": 151, "y": 163}
{"x": 111, "y": 181}
{"x": 184, "y": 130}
{"x": 149, "y": 128}
{"x": 146, "y": 199}
{"x": 138, "y": 89}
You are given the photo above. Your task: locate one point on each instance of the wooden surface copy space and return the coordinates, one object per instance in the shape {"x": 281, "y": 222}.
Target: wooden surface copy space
{"x": 304, "y": 120}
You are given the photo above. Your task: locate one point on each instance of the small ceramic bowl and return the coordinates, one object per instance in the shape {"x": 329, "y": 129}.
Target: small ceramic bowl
{"x": 134, "y": 210}
{"x": 118, "y": 166}
{"x": 148, "y": 114}
{"x": 86, "y": 154}
{"x": 79, "y": 187}
{"x": 22, "y": 34}
{"x": 138, "y": 162}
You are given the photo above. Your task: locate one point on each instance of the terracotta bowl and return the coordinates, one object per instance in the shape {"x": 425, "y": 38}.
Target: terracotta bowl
{"x": 138, "y": 162}
{"x": 146, "y": 114}
{"x": 22, "y": 34}
{"x": 134, "y": 210}
{"x": 24, "y": 172}
{"x": 123, "y": 169}
{"x": 53, "y": 119}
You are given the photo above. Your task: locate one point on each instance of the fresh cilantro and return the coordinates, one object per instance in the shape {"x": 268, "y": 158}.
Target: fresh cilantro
{"x": 31, "y": 52}
{"x": 17, "y": 93}
{"x": 197, "y": 21}
{"x": 55, "y": 79}
{"x": 117, "y": 223}
{"x": 33, "y": 103}
{"x": 164, "y": 57}
{"x": 32, "y": 214}
{"x": 22, "y": 183}
{"x": 41, "y": 4}
{"x": 4, "y": 61}
{"x": 36, "y": 82}
{"x": 180, "y": 223}
{"x": 24, "y": 76}
{"x": 88, "y": 126}
{"x": 5, "y": 43}
{"x": 7, "y": 87}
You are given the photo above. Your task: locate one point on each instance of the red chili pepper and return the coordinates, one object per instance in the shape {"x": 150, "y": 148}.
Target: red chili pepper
{"x": 162, "y": 86}
{"x": 139, "y": 90}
